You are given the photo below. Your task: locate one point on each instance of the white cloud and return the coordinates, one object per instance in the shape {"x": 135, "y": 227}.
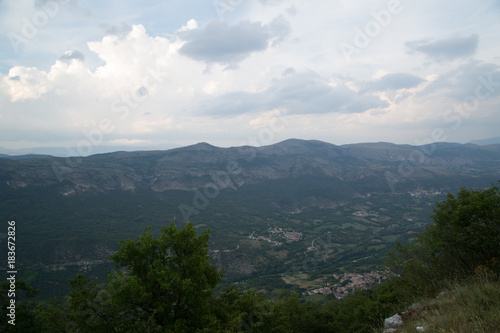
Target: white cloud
{"x": 132, "y": 64}
{"x": 129, "y": 60}
{"x": 25, "y": 83}
{"x": 159, "y": 72}
{"x": 127, "y": 142}
{"x": 191, "y": 25}
{"x": 392, "y": 82}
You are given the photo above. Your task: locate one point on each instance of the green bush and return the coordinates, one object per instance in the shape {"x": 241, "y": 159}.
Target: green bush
{"x": 464, "y": 237}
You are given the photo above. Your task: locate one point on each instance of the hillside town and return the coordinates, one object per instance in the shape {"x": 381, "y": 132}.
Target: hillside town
{"x": 289, "y": 236}
{"x": 347, "y": 283}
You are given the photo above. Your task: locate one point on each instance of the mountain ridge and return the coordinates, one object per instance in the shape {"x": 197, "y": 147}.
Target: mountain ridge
{"x": 346, "y": 203}
{"x": 191, "y": 167}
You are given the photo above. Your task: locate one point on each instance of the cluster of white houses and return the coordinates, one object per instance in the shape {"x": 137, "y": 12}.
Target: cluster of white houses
{"x": 347, "y": 283}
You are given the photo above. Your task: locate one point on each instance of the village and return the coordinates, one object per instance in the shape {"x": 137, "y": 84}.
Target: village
{"x": 347, "y": 283}
{"x": 290, "y": 236}
{"x": 419, "y": 193}
{"x": 362, "y": 213}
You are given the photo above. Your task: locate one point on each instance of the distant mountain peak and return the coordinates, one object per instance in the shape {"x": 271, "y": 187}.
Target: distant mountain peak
{"x": 191, "y": 167}
{"x": 302, "y": 142}
{"x": 200, "y": 146}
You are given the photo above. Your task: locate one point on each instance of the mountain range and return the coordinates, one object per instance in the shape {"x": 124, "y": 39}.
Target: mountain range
{"x": 271, "y": 209}
{"x": 195, "y": 166}
{"x": 102, "y": 149}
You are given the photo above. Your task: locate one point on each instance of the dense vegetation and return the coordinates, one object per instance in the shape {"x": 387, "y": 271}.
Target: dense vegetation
{"x": 354, "y": 201}
{"x": 165, "y": 283}
{"x": 62, "y": 237}
{"x": 463, "y": 240}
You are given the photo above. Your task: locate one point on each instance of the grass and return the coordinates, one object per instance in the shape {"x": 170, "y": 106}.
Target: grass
{"x": 466, "y": 308}
{"x": 377, "y": 247}
{"x": 302, "y": 281}
{"x": 390, "y": 238}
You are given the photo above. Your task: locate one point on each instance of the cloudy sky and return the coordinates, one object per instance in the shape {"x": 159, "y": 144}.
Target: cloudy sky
{"x": 151, "y": 73}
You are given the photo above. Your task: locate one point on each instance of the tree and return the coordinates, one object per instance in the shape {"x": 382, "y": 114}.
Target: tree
{"x": 19, "y": 314}
{"x": 465, "y": 235}
{"x": 162, "y": 283}
{"x": 468, "y": 229}
{"x": 166, "y": 280}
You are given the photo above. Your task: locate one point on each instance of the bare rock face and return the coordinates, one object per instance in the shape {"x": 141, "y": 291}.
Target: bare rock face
{"x": 392, "y": 323}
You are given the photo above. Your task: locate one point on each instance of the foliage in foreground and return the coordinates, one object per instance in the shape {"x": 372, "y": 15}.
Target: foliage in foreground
{"x": 468, "y": 307}
{"x": 165, "y": 284}
{"x": 464, "y": 238}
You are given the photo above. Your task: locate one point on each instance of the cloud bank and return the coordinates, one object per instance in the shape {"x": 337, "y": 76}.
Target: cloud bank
{"x": 159, "y": 72}
{"x": 446, "y": 49}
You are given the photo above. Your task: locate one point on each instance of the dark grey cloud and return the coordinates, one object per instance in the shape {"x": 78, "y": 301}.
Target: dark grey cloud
{"x": 142, "y": 91}
{"x": 393, "y": 81}
{"x": 464, "y": 81}
{"x": 219, "y": 42}
{"x": 70, "y": 55}
{"x": 446, "y": 49}
{"x": 121, "y": 30}
{"x": 298, "y": 93}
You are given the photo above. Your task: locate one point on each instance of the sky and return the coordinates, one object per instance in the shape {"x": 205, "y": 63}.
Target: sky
{"x": 140, "y": 74}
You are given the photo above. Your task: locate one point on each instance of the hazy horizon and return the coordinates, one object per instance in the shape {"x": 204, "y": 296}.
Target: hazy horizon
{"x": 73, "y": 152}
{"x": 232, "y": 72}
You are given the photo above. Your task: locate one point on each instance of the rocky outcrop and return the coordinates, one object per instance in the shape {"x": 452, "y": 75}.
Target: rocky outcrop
{"x": 394, "y": 323}
{"x": 391, "y": 324}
